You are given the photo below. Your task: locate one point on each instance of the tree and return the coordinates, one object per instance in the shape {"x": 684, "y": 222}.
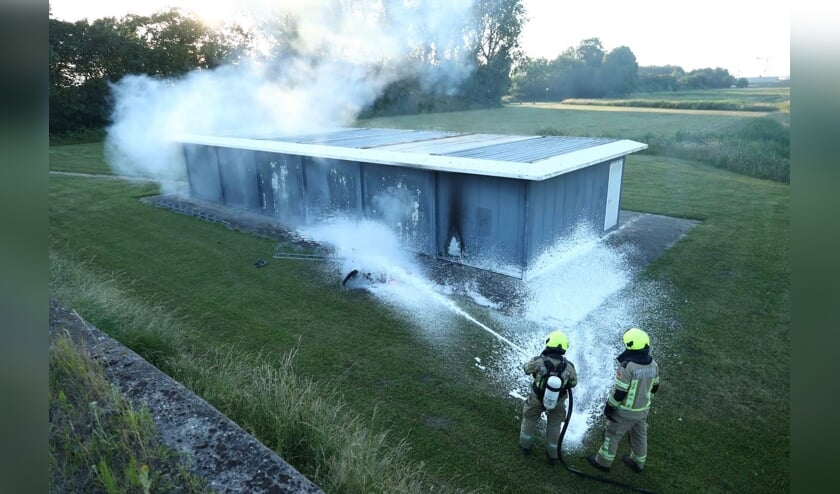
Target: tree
{"x": 619, "y": 71}
{"x": 579, "y": 72}
{"x": 85, "y": 57}
{"x": 587, "y": 76}
{"x": 494, "y": 38}
{"x": 591, "y": 52}
{"x": 174, "y": 43}
{"x": 80, "y": 59}
{"x": 565, "y": 77}
{"x": 659, "y": 78}
{"x": 708, "y": 79}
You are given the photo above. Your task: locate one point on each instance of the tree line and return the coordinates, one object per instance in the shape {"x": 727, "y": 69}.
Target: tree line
{"x": 86, "y": 57}
{"x": 588, "y": 71}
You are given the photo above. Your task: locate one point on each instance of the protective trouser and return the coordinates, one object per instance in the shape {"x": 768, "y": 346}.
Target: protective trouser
{"x": 633, "y": 422}
{"x": 531, "y": 416}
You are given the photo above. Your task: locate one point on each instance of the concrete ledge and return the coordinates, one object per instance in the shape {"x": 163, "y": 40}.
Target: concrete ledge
{"x": 222, "y": 453}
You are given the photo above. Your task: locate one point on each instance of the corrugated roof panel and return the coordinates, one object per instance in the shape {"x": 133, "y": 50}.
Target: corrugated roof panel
{"x": 366, "y": 138}
{"x": 376, "y": 140}
{"x": 356, "y": 139}
{"x": 545, "y": 157}
{"x": 319, "y": 136}
{"x": 516, "y": 149}
{"x": 532, "y": 149}
{"x": 451, "y": 144}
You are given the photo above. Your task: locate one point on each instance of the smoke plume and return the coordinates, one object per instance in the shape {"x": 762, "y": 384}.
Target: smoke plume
{"x": 314, "y": 65}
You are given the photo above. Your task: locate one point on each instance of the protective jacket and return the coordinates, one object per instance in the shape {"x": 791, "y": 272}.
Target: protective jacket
{"x": 636, "y": 381}
{"x": 541, "y": 365}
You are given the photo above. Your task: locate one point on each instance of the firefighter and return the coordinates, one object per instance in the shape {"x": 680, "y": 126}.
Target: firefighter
{"x": 551, "y": 363}
{"x": 636, "y": 382}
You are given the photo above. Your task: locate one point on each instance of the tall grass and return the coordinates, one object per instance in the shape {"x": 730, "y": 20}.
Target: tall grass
{"x": 144, "y": 327}
{"x": 725, "y": 105}
{"x": 757, "y": 147}
{"x": 99, "y": 442}
{"x": 306, "y": 423}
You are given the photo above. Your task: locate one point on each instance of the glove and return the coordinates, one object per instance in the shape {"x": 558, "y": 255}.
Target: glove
{"x": 609, "y": 410}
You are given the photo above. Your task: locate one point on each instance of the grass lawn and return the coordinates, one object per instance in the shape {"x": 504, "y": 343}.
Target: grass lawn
{"x": 744, "y": 95}
{"x": 754, "y": 100}
{"x": 79, "y": 158}
{"x": 721, "y": 421}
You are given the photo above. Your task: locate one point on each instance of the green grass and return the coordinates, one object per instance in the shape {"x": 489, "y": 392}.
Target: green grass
{"x": 79, "y": 158}
{"x": 759, "y": 147}
{"x": 750, "y": 144}
{"x": 80, "y": 136}
{"x": 721, "y": 422}
{"x": 744, "y": 95}
{"x": 733, "y": 99}
{"x": 731, "y": 358}
{"x": 303, "y": 420}
{"x": 528, "y": 119}
{"x": 100, "y": 442}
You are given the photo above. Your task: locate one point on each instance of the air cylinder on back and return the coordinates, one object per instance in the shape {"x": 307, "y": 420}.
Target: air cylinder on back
{"x": 552, "y": 392}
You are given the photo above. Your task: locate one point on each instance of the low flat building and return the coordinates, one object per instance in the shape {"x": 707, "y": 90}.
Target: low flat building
{"x": 490, "y": 201}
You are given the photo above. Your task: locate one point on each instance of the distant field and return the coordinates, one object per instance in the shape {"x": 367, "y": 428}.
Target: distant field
{"x": 643, "y": 106}
{"x": 759, "y": 100}
{"x": 754, "y": 143}
{"x": 528, "y": 119}
{"x": 747, "y": 95}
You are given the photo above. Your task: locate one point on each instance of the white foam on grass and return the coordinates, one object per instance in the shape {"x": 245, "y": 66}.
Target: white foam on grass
{"x": 584, "y": 287}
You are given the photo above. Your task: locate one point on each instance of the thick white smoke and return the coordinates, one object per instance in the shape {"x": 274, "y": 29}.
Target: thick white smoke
{"x": 339, "y": 57}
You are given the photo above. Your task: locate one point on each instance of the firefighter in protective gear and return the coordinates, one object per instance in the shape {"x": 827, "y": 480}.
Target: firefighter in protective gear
{"x": 550, "y": 362}
{"x": 636, "y": 382}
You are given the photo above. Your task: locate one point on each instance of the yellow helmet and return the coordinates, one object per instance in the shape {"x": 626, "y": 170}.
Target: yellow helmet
{"x": 557, "y": 339}
{"x": 636, "y": 339}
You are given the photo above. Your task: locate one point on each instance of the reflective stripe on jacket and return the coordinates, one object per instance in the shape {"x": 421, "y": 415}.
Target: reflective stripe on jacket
{"x": 636, "y": 380}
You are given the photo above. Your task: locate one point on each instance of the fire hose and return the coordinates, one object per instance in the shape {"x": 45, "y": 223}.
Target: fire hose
{"x": 584, "y": 474}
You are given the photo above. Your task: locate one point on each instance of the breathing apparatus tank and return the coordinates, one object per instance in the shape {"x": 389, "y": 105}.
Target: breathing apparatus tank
{"x": 552, "y": 392}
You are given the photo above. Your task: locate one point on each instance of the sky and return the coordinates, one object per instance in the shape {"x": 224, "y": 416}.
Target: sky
{"x": 750, "y": 38}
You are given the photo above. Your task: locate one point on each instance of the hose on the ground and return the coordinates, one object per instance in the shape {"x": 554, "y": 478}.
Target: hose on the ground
{"x": 584, "y": 474}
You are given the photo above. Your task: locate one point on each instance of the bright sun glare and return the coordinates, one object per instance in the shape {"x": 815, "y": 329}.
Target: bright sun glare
{"x": 211, "y": 13}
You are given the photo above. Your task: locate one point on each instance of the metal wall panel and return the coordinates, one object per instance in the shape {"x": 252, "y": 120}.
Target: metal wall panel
{"x": 238, "y": 174}
{"x": 280, "y": 180}
{"x": 404, "y": 200}
{"x": 486, "y": 218}
{"x": 203, "y": 172}
{"x": 332, "y": 188}
{"x": 558, "y": 205}
{"x": 495, "y": 223}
